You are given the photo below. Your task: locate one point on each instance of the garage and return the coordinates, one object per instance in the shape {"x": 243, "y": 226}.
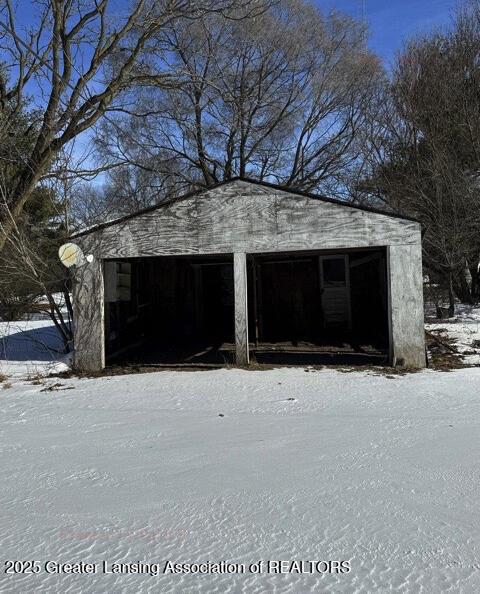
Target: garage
{"x": 250, "y": 272}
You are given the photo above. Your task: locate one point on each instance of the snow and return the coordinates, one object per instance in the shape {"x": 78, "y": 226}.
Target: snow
{"x": 379, "y": 470}
{"x": 31, "y": 348}
{"x": 59, "y": 299}
{"x": 369, "y": 467}
{"x": 463, "y": 330}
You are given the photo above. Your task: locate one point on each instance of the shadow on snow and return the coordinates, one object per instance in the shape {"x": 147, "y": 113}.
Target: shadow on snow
{"x": 34, "y": 344}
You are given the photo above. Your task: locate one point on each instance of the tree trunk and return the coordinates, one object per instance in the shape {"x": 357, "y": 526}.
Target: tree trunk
{"x": 451, "y": 296}
{"x": 462, "y": 287}
{"x": 475, "y": 288}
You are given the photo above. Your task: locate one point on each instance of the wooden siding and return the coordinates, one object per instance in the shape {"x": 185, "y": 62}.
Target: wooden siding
{"x": 407, "y": 332}
{"x": 241, "y": 308}
{"x": 89, "y": 322}
{"x": 245, "y": 218}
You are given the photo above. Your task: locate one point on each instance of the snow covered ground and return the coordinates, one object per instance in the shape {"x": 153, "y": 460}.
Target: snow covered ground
{"x": 381, "y": 471}
{"x": 463, "y": 330}
{"x": 31, "y": 347}
{"x": 378, "y": 470}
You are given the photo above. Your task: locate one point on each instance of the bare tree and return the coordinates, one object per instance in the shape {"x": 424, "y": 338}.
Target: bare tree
{"x": 74, "y": 60}
{"x": 277, "y": 96}
{"x": 422, "y": 149}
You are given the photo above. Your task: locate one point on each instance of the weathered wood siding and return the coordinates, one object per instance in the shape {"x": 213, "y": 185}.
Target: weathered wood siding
{"x": 241, "y": 308}
{"x": 407, "y": 334}
{"x": 244, "y": 218}
{"x": 89, "y": 323}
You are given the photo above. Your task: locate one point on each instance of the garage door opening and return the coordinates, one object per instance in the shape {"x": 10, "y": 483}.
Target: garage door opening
{"x": 303, "y": 308}
{"x": 319, "y": 308}
{"x": 169, "y": 310}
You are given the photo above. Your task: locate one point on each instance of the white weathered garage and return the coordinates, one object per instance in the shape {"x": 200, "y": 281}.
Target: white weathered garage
{"x": 253, "y": 268}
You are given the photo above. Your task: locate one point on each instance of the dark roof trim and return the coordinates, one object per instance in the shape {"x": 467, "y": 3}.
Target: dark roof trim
{"x": 286, "y": 189}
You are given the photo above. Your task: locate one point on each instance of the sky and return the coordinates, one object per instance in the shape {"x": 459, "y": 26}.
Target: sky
{"x": 391, "y": 22}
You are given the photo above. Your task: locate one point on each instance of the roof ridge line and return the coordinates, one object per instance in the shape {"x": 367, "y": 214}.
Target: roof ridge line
{"x": 277, "y": 187}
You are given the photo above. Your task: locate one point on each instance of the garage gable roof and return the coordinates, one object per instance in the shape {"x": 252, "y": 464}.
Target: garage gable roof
{"x": 265, "y": 184}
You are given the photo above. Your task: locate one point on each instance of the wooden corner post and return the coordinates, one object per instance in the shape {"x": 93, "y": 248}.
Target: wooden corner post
{"x": 241, "y": 309}
{"x": 407, "y": 334}
{"x": 89, "y": 322}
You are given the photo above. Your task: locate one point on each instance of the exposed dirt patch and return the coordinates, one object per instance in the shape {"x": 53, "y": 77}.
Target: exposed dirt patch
{"x": 442, "y": 353}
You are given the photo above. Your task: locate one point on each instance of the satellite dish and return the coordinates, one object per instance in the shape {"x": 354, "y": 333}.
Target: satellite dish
{"x": 71, "y": 254}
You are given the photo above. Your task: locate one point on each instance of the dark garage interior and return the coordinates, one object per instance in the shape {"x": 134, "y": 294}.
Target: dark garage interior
{"x": 304, "y": 308}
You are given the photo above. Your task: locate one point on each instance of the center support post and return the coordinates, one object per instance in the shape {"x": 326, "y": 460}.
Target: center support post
{"x": 241, "y": 308}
